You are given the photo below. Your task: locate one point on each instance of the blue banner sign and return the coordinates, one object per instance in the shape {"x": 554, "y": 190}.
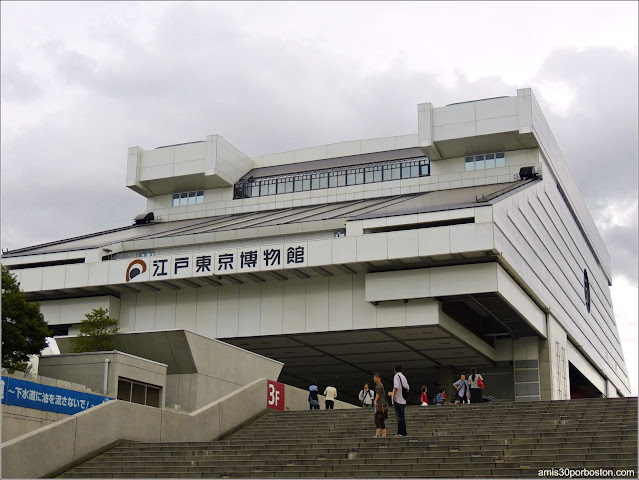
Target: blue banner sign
{"x": 44, "y": 397}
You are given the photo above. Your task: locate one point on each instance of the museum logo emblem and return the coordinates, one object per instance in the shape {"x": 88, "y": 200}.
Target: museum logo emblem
{"x": 135, "y": 268}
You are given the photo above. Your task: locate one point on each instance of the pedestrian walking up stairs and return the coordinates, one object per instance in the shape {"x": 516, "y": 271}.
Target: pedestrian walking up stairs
{"x": 488, "y": 440}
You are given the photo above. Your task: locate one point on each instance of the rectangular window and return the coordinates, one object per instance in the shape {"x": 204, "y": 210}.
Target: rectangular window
{"x": 131, "y": 391}
{"x": 138, "y": 393}
{"x": 255, "y": 189}
{"x": 350, "y": 177}
{"x": 341, "y": 179}
{"x": 297, "y": 184}
{"x": 424, "y": 169}
{"x": 377, "y": 174}
{"x": 288, "y": 185}
{"x": 184, "y": 198}
{"x": 500, "y": 160}
{"x": 191, "y": 198}
{"x": 124, "y": 390}
{"x": 315, "y": 182}
{"x": 306, "y": 183}
{"x": 405, "y": 171}
{"x": 396, "y": 172}
{"x": 176, "y": 200}
{"x": 490, "y": 160}
{"x": 153, "y": 397}
{"x": 359, "y": 176}
{"x": 470, "y": 164}
{"x": 479, "y": 162}
{"x": 368, "y": 175}
{"x": 323, "y": 180}
{"x": 332, "y": 179}
{"x": 414, "y": 170}
{"x": 272, "y": 187}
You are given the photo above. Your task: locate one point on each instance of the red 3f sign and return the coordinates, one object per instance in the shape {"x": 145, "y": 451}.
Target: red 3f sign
{"x": 275, "y": 395}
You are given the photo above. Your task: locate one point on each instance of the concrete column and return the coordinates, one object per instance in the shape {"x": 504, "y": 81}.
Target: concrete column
{"x": 526, "y": 369}
{"x": 544, "y": 370}
{"x": 555, "y": 355}
{"x": 611, "y": 390}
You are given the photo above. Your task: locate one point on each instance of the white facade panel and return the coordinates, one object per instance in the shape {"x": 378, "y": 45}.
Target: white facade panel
{"x": 316, "y": 304}
{"x": 53, "y": 277}
{"x": 98, "y": 273}
{"x": 373, "y": 246}
{"x": 294, "y": 314}
{"x": 344, "y": 250}
{"x": 51, "y": 310}
{"x": 206, "y": 313}
{"x": 30, "y": 279}
{"x": 391, "y": 314}
{"x": 434, "y": 241}
{"x": 398, "y": 285}
{"x": 471, "y": 237}
{"x": 463, "y": 279}
{"x": 228, "y": 311}
{"x": 364, "y": 313}
{"x": 128, "y": 310}
{"x": 272, "y": 308}
{"x": 145, "y": 311}
{"x": 249, "y": 310}
{"x": 340, "y": 302}
{"x": 403, "y": 244}
{"x": 166, "y": 303}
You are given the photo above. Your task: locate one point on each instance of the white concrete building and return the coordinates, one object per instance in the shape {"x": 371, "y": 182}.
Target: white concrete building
{"x": 465, "y": 244}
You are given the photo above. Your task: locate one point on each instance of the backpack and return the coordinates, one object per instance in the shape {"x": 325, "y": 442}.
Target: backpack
{"x": 404, "y": 390}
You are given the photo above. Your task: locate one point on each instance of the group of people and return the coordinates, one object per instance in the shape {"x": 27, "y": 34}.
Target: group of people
{"x": 313, "y": 399}
{"x": 378, "y": 400}
{"x": 467, "y": 391}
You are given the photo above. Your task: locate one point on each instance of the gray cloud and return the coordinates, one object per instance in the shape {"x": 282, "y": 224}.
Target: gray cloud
{"x": 598, "y": 137}
{"x": 18, "y": 86}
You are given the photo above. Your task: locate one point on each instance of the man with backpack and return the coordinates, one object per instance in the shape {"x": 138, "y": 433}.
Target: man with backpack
{"x": 400, "y": 390}
{"x": 366, "y": 396}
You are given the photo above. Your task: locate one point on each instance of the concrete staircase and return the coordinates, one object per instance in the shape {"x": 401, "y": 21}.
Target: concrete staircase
{"x": 488, "y": 440}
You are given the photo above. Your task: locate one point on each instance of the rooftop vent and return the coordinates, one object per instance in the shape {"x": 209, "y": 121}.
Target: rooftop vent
{"x": 527, "y": 173}
{"x": 144, "y": 218}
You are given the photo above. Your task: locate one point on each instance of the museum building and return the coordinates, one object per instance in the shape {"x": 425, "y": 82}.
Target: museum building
{"x": 465, "y": 245}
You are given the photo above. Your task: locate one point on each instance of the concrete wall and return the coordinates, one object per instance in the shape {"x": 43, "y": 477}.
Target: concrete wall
{"x": 88, "y": 368}
{"x": 221, "y": 369}
{"x": 81, "y": 436}
{"x": 17, "y": 421}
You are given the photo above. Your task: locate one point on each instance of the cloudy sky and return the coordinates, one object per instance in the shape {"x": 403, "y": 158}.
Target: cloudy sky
{"x": 83, "y": 81}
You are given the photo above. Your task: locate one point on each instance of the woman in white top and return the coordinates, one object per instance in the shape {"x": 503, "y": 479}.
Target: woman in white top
{"x": 475, "y": 391}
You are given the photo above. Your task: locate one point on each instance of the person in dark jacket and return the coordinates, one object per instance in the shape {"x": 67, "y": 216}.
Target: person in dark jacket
{"x": 313, "y": 399}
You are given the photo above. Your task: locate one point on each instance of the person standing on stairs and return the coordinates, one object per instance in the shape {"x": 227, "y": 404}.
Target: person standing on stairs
{"x": 381, "y": 407}
{"x": 400, "y": 387}
{"x": 463, "y": 390}
{"x": 475, "y": 388}
{"x": 331, "y": 395}
{"x": 313, "y": 400}
{"x": 366, "y": 396}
